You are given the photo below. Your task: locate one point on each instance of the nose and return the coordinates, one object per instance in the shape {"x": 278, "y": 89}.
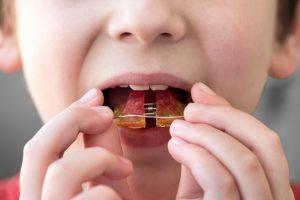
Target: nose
{"x": 146, "y": 21}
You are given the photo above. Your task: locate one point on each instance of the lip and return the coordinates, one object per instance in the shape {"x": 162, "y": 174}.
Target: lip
{"x": 144, "y": 138}
{"x": 158, "y": 78}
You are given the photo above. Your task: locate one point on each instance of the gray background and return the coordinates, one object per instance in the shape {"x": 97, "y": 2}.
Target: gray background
{"x": 279, "y": 109}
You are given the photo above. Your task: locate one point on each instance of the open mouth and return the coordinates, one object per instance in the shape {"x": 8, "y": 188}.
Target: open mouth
{"x": 146, "y": 106}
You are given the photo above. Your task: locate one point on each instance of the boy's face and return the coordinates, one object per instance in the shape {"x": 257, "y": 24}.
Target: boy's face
{"x": 69, "y": 47}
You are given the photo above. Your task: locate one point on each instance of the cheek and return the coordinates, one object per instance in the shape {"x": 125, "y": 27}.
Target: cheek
{"x": 53, "y": 49}
{"x": 238, "y": 46}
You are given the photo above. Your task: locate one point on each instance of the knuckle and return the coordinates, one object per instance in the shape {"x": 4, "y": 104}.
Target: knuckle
{"x": 250, "y": 163}
{"x": 226, "y": 183}
{"x": 225, "y": 111}
{"x": 274, "y": 141}
{"x": 30, "y": 149}
{"x": 56, "y": 171}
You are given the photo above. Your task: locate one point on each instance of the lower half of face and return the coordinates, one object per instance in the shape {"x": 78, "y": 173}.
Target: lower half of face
{"x": 67, "y": 50}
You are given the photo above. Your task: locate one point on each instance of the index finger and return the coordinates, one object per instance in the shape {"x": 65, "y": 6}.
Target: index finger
{"x": 55, "y": 137}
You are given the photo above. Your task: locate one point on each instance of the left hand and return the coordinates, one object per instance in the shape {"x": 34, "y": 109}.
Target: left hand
{"x": 226, "y": 153}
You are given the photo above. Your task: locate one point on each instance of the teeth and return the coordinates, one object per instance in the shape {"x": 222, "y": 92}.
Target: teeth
{"x": 139, "y": 87}
{"x": 145, "y": 87}
{"x": 123, "y": 86}
{"x": 158, "y": 87}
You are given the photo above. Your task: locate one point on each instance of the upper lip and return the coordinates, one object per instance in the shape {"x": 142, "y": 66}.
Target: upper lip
{"x": 158, "y": 78}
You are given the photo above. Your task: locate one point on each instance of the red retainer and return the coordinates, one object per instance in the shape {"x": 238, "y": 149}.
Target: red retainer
{"x": 145, "y": 109}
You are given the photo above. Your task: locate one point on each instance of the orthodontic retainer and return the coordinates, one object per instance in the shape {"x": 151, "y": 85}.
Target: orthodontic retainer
{"x": 160, "y": 113}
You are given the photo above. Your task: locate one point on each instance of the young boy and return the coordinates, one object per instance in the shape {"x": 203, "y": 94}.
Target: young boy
{"x": 219, "y": 51}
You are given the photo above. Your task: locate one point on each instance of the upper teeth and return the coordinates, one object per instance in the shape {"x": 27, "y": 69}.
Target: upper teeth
{"x": 158, "y": 87}
{"x": 146, "y": 87}
{"x": 139, "y": 87}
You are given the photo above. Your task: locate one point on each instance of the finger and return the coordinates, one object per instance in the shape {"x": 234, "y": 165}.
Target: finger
{"x": 101, "y": 140}
{"x": 238, "y": 159}
{"x": 54, "y": 138}
{"x": 209, "y": 173}
{"x": 204, "y": 95}
{"x": 110, "y": 141}
{"x": 251, "y": 132}
{"x": 188, "y": 187}
{"x": 93, "y": 97}
{"x": 65, "y": 176}
{"x": 105, "y": 192}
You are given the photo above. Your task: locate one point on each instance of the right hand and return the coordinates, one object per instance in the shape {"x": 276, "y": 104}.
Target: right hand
{"x": 46, "y": 174}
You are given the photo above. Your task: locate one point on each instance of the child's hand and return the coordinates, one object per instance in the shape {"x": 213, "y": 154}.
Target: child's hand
{"x": 45, "y": 174}
{"x": 226, "y": 153}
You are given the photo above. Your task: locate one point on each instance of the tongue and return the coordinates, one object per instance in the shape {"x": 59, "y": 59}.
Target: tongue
{"x": 168, "y": 108}
{"x": 144, "y": 109}
{"x": 130, "y": 113}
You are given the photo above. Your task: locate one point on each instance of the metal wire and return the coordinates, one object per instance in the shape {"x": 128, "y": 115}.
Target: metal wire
{"x": 150, "y": 116}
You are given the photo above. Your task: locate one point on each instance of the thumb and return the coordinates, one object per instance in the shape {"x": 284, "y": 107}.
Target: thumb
{"x": 110, "y": 141}
{"x": 202, "y": 94}
{"x": 188, "y": 187}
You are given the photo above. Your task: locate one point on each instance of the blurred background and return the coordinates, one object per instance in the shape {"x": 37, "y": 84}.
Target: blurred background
{"x": 279, "y": 109}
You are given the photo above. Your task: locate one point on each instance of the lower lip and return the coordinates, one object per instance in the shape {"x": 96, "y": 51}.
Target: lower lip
{"x": 148, "y": 137}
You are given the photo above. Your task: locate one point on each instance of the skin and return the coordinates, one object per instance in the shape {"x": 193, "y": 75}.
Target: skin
{"x": 222, "y": 152}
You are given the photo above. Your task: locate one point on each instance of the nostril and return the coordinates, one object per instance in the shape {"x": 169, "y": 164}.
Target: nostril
{"x": 166, "y": 35}
{"x": 125, "y": 35}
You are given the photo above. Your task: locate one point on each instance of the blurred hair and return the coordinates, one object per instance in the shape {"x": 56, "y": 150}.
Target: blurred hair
{"x": 7, "y": 15}
{"x": 286, "y": 16}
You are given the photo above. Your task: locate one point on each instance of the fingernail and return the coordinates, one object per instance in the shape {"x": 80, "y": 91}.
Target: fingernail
{"x": 105, "y": 110}
{"x": 91, "y": 94}
{"x": 180, "y": 125}
{"x": 205, "y": 89}
{"x": 125, "y": 160}
{"x": 177, "y": 142}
